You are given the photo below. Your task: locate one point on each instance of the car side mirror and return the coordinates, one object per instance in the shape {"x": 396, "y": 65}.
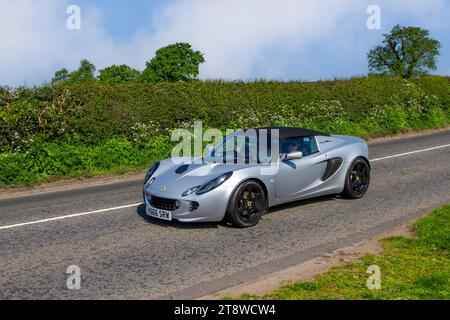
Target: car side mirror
{"x": 294, "y": 155}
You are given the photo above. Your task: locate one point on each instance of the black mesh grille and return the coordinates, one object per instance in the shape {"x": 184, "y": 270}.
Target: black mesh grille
{"x": 194, "y": 206}
{"x": 164, "y": 204}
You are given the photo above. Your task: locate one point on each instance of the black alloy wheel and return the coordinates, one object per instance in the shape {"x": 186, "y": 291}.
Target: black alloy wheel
{"x": 358, "y": 179}
{"x": 247, "y": 204}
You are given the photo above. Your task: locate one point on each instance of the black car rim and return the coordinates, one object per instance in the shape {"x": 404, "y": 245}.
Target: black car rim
{"x": 359, "y": 177}
{"x": 249, "y": 203}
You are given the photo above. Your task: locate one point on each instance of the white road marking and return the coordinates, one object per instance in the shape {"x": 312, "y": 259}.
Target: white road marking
{"x": 68, "y": 216}
{"x": 411, "y": 152}
{"x": 137, "y": 204}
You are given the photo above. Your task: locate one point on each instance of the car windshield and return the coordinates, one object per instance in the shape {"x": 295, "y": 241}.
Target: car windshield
{"x": 255, "y": 148}
{"x": 240, "y": 148}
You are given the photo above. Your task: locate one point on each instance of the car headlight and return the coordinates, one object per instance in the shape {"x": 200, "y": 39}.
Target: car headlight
{"x": 190, "y": 191}
{"x": 214, "y": 183}
{"x": 151, "y": 171}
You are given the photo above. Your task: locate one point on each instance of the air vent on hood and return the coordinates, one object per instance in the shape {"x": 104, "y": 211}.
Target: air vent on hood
{"x": 182, "y": 169}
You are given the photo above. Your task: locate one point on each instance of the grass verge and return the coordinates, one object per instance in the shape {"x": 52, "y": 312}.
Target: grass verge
{"x": 411, "y": 268}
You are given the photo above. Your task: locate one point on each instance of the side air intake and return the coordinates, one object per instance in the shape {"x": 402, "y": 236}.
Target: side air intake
{"x": 333, "y": 166}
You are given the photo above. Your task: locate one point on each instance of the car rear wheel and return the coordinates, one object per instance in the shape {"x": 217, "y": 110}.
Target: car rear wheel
{"x": 357, "y": 179}
{"x": 246, "y": 205}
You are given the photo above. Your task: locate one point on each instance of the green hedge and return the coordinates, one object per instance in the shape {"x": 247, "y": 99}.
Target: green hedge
{"x": 79, "y": 120}
{"x": 51, "y": 160}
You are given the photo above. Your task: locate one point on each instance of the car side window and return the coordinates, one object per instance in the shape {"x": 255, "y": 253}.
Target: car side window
{"x": 310, "y": 146}
{"x": 307, "y": 145}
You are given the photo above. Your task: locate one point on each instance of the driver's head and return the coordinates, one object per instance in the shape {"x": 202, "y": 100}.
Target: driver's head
{"x": 292, "y": 147}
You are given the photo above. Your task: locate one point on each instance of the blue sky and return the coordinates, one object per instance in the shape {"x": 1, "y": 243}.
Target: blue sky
{"x": 241, "y": 39}
{"x": 123, "y": 18}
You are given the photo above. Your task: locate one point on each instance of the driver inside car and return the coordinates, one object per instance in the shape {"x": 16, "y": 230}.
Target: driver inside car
{"x": 292, "y": 147}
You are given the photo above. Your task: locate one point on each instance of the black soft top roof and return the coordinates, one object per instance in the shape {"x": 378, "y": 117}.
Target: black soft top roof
{"x": 286, "y": 132}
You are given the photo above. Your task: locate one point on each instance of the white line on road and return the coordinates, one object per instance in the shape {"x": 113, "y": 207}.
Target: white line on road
{"x": 411, "y": 152}
{"x": 69, "y": 216}
{"x": 137, "y": 204}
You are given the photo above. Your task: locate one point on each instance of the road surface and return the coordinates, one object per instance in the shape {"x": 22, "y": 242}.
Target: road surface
{"x": 121, "y": 255}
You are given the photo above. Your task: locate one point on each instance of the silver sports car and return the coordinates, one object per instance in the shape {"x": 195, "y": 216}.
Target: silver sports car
{"x": 248, "y": 172}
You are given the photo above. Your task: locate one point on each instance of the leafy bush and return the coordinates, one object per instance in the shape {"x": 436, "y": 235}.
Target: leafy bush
{"x": 57, "y": 160}
{"x": 89, "y": 128}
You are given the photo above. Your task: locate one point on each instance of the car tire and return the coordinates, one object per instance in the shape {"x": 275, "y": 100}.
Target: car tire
{"x": 247, "y": 204}
{"x": 357, "y": 179}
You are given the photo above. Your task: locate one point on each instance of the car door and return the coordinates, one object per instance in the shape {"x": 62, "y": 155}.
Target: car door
{"x": 296, "y": 177}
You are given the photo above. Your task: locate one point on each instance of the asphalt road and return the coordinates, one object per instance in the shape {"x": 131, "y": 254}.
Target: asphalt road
{"x": 123, "y": 255}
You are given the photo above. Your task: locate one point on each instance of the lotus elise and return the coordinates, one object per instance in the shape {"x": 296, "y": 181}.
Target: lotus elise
{"x": 244, "y": 175}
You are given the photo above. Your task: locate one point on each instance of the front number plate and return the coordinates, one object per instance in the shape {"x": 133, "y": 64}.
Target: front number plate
{"x": 158, "y": 213}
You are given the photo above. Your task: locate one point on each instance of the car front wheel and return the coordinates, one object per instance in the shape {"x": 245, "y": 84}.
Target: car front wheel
{"x": 357, "y": 179}
{"x": 246, "y": 205}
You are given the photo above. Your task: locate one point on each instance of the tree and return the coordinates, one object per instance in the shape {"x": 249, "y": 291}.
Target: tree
{"x": 116, "y": 74}
{"x": 175, "y": 62}
{"x": 84, "y": 73}
{"x": 60, "y": 76}
{"x": 405, "y": 52}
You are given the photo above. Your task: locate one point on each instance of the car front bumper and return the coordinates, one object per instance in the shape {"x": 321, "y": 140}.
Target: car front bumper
{"x": 209, "y": 207}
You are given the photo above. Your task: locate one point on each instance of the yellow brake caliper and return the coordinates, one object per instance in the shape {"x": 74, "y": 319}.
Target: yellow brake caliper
{"x": 249, "y": 203}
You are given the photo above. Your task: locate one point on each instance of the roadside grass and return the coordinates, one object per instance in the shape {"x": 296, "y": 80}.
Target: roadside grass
{"x": 411, "y": 268}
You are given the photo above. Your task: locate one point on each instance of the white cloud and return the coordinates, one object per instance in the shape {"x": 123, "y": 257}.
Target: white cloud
{"x": 240, "y": 38}
{"x": 236, "y": 35}
{"x": 35, "y": 40}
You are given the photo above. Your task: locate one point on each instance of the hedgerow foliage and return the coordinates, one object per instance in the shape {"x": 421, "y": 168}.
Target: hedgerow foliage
{"x": 82, "y": 128}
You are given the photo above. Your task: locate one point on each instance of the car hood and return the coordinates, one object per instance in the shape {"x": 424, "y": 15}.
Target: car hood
{"x": 189, "y": 175}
